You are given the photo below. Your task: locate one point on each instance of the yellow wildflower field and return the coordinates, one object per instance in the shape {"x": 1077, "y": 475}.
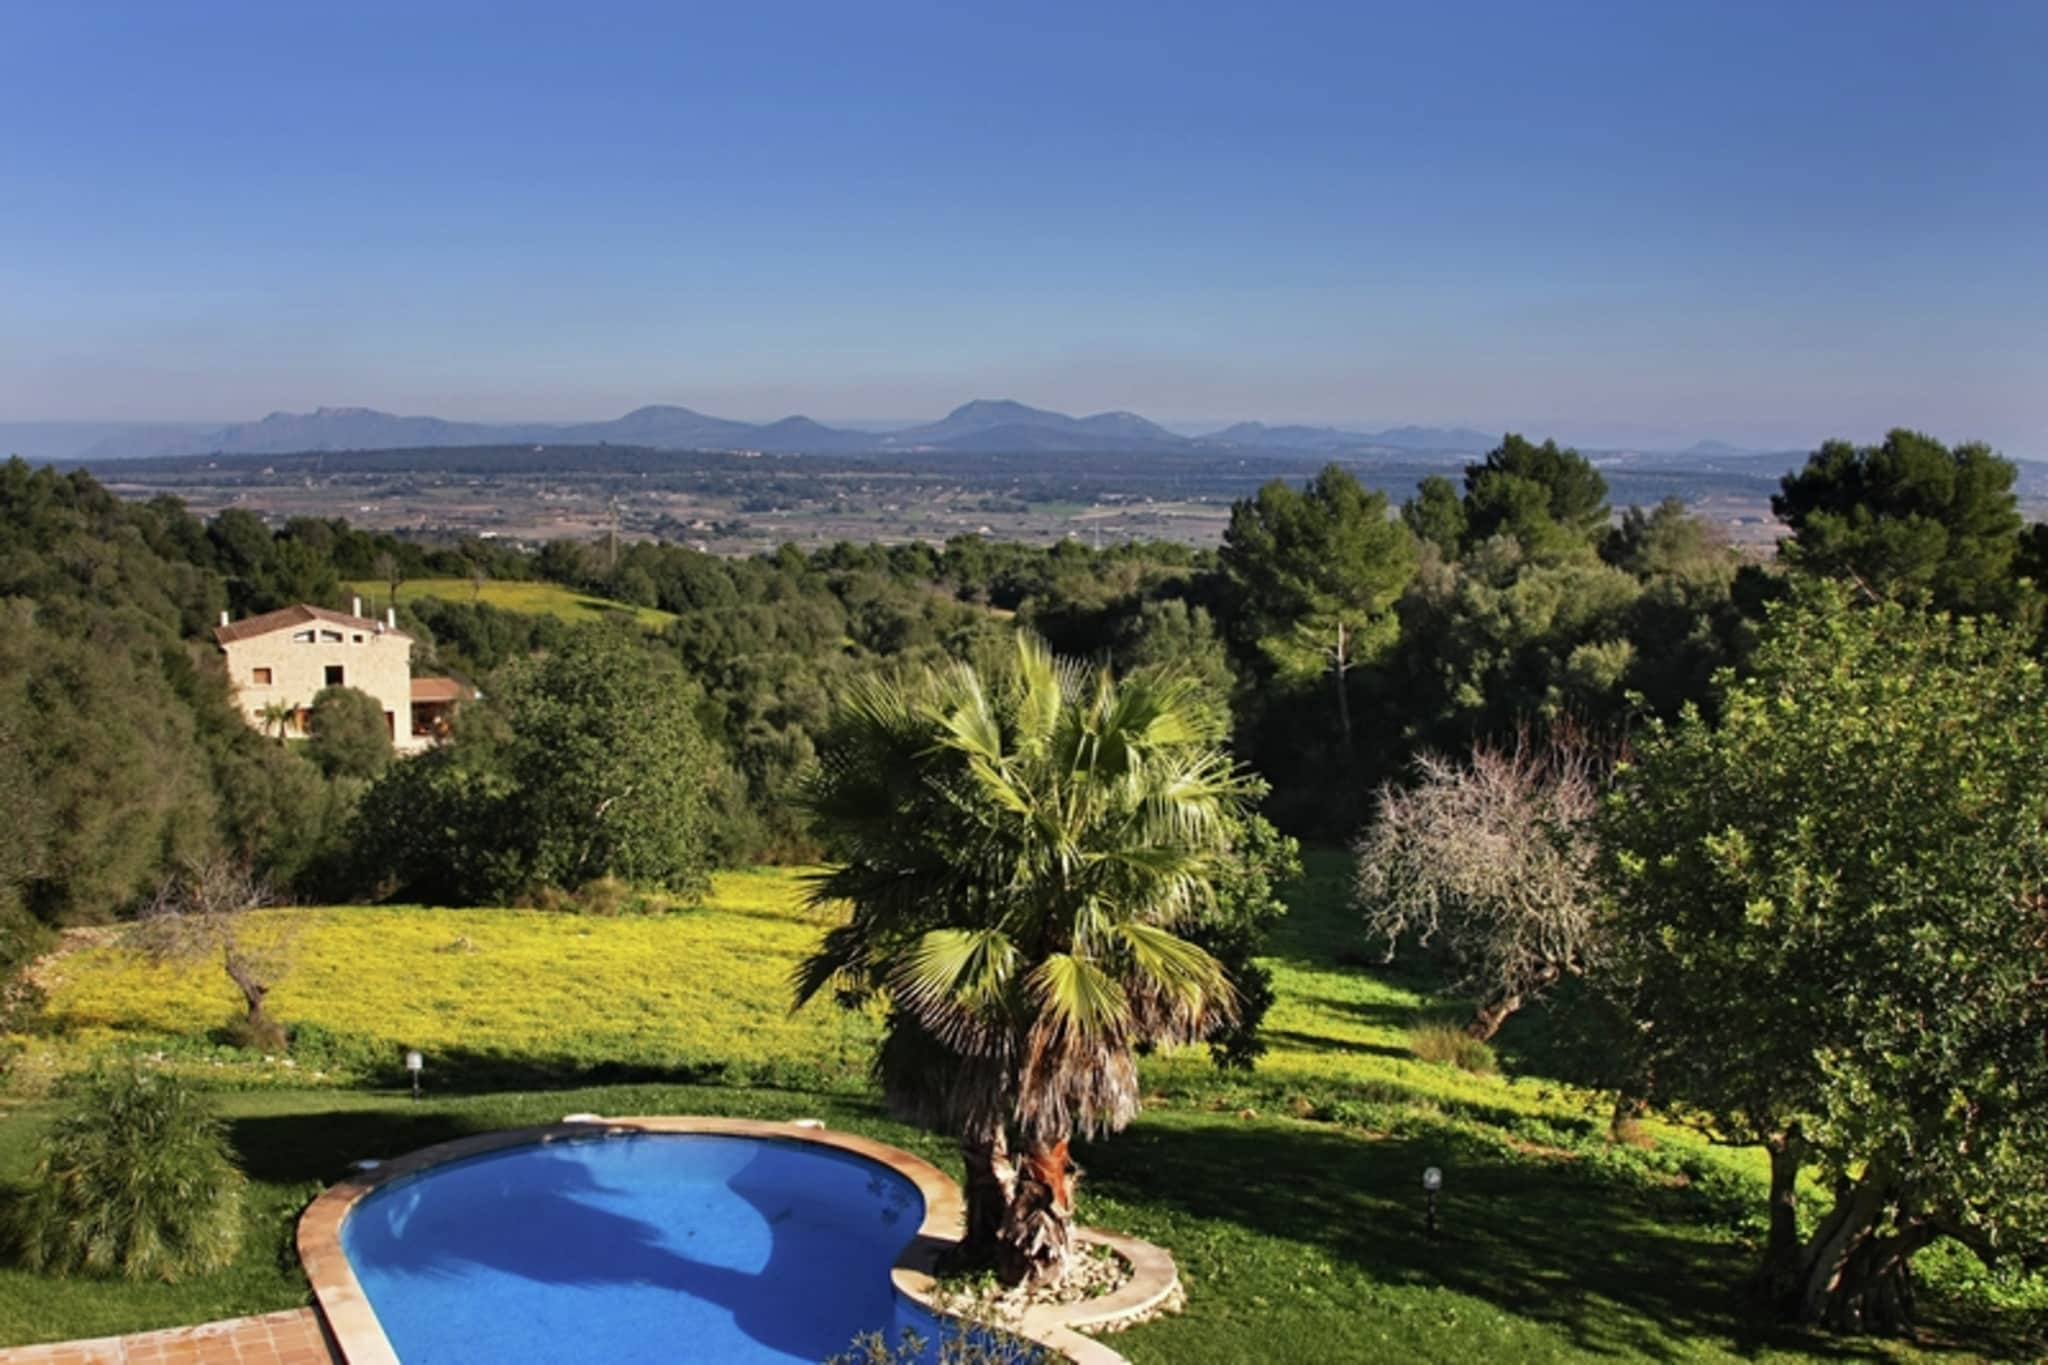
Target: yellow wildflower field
{"x": 530, "y": 597}
{"x": 484, "y": 993}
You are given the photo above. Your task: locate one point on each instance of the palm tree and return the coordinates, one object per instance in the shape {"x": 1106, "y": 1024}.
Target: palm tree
{"x": 277, "y": 715}
{"x": 1018, "y": 853}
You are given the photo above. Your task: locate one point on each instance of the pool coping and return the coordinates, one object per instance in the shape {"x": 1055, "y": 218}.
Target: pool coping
{"x": 360, "y": 1337}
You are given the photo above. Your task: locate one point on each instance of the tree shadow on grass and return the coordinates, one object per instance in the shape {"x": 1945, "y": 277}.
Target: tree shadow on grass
{"x": 1397, "y": 1018}
{"x": 464, "y": 1071}
{"x": 321, "y": 1145}
{"x": 286, "y": 1149}
{"x": 1318, "y": 1042}
{"x": 1619, "y": 1267}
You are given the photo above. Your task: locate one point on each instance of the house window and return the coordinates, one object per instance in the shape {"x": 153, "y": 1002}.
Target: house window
{"x": 261, "y": 676}
{"x": 334, "y": 675}
{"x": 330, "y": 637}
{"x": 391, "y": 725}
{"x": 356, "y": 639}
{"x": 302, "y": 637}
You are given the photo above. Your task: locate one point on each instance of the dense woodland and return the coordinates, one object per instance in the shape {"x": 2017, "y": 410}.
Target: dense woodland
{"x": 1344, "y": 635}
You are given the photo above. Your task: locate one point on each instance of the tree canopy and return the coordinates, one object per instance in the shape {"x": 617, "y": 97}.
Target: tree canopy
{"x": 350, "y": 737}
{"x": 1546, "y": 496}
{"x": 1830, "y": 915}
{"x": 1907, "y": 515}
{"x": 586, "y": 762}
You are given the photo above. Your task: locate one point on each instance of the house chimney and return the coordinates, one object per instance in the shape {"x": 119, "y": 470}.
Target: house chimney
{"x": 223, "y": 616}
{"x": 357, "y": 609}
{"x": 391, "y": 617}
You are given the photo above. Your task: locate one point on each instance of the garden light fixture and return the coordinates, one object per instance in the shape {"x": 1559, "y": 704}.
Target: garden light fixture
{"x": 415, "y": 1063}
{"x": 1432, "y": 1182}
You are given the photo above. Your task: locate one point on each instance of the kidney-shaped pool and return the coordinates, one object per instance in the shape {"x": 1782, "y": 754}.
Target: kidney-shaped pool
{"x": 640, "y": 1247}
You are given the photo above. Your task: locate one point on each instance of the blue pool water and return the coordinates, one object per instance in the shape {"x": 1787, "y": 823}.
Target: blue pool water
{"x": 650, "y": 1247}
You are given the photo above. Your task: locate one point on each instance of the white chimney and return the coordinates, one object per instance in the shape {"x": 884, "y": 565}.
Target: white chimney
{"x": 357, "y": 609}
{"x": 391, "y": 617}
{"x": 223, "y": 616}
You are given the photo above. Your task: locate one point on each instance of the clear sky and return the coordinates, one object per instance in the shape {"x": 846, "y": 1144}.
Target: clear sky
{"x": 1763, "y": 223}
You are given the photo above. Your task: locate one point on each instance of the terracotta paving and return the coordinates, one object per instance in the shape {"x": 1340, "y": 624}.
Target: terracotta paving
{"x": 293, "y": 1338}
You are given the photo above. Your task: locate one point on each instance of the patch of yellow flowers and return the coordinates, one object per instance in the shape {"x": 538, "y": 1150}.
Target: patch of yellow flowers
{"x": 700, "y": 991}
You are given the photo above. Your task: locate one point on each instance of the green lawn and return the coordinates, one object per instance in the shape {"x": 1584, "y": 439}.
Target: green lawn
{"x": 1291, "y": 1197}
{"x": 532, "y": 598}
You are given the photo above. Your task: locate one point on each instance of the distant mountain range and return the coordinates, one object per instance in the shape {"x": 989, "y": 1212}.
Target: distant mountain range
{"x": 984, "y": 426}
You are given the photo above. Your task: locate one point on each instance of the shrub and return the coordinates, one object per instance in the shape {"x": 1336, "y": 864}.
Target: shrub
{"x": 1450, "y": 1045}
{"x": 136, "y": 1179}
{"x": 21, "y": 1000}
{"x": 351, "y": 737}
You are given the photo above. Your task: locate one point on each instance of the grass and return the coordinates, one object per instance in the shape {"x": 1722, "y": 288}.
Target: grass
{"x": 531, "y": 598}
{"x": 494, "y": 998}
{"x": 1451, "y": 1045}
{"x": 1291, "y": 1196}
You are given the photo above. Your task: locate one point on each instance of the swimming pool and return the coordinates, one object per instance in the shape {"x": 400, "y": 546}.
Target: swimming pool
{"x": 632, "y": 1247}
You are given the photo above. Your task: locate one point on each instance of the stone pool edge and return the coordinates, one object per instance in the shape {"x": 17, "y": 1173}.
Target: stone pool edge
{"x": 360, "y": 1338}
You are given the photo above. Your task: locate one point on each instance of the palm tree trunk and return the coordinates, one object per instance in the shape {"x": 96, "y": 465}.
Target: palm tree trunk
{"x": 1037, "y": 1242}
{"x": 991, "y": 1184}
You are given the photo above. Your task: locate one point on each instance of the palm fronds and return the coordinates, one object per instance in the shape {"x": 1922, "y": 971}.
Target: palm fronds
{"x": 137, "y": 1180}
{"x": 1017, "y": 851}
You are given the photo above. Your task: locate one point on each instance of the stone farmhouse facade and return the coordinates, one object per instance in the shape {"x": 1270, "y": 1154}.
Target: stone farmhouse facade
{"x": 282, "y": 659}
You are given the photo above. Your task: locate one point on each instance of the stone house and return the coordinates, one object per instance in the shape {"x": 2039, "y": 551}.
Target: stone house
{"x": 280, "y": 660}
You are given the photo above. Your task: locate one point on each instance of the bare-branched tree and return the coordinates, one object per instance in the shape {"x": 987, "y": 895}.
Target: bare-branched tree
{"x": 201, "y": 910}
{"x": 389, "y": 571}
{"x": 1490, "y": 861}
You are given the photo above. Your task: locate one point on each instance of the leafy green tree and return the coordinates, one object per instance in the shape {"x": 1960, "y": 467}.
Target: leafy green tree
{"x": 1501, "y": 637}
{"x": 1667, "y": 540}
{"x": 1550, "y": 498}
{"x": 21, "y": 937}
{"x": 2032, "y": 560}
{"x": 1233, "y": 928}
{"x": 1686, "y": 623}
{"x": 1828, "y": 916}
{"x": 1023, "y": 856}
{"x": 431, "y": 829}
{"x": 1436, "y": 515}
{"x": 1168, "y": 633}
{"x": 1909, "y": 515}
{"x": 605, "y": 767}
{"x": 1315, "y": 573}
{"x": 120, "y": 777}
{"x": 350, "y": 737}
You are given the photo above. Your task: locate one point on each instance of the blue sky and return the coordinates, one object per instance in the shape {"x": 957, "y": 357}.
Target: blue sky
{"x": 1765, "y": 223}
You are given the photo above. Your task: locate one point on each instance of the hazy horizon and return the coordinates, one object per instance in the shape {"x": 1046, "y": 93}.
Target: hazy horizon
{"x": 78, "y": 434}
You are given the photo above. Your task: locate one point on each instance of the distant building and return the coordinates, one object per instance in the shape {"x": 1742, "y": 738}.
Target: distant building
{"x": 279, "y": 661}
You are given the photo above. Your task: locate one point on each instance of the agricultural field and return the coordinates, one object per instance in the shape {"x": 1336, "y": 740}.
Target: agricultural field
{"x": 1290, "y": 1196}
{"x": 531, "y": 598}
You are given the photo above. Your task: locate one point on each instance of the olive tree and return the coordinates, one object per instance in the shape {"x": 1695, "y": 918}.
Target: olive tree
{"x": 1830, "y": 919}
{"x": 1492, "y": 860}
{"x": 201, "y": 911}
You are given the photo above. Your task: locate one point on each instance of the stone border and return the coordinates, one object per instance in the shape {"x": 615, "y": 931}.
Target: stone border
{"x": 360, "y": 1336}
